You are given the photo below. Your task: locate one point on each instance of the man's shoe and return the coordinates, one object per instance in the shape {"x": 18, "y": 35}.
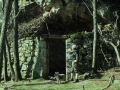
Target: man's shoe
{"x": 76, "y": 80}
{"x": 71, "y": 79}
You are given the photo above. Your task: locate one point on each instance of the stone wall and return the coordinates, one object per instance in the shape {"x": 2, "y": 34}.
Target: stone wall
{"x": 34, "y": 57}
{"x": 29, "y": 56}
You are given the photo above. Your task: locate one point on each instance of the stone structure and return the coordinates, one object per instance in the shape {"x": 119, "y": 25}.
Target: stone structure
{"x": 64, "y": 16}
{"x": 32, "y": 56}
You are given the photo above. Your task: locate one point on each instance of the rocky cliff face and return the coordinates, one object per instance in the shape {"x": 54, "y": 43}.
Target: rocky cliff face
{"x": 65, "y": 16}
{"x": 82, "y": 9}
{"x": 66, "y": 9}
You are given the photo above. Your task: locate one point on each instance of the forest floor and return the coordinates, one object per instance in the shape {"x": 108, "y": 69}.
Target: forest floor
{"x": 89, "y": 84}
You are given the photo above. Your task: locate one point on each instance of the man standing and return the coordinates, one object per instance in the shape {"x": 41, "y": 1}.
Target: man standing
{"x": 74, "y": 58}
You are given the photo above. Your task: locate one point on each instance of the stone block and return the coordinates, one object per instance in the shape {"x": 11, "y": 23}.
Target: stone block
{"x": 28, "y": 59}
{"x": 27, "y": 41}
{"x": 29, "y": 38}
{"x": 28, "y": 48}
{"x": 22, "y": 39}
{"x": 21, "y": 54}
{"x": 11, "y": 53}
{"x": 36, "y": 49}
{"x": 27, "y": 54}
{"x": 22, "y": 59}
{"x": 30, "y": 43}
{"x": 23, "y": 48}
{"x": 24, "y": 66}
{"x": 33, "y": 66}
{"x": 34, "y": 59}
{"x": 23, "y": 74}
{"x": 36, "y": 53}
{"x": 11, "y": 45}
{"x": 11, "y": 50}
{"x": 20, "y": 49}
{"x": 32, "y": 47}
{"x": 19, "y": 45}
{"x": 25, "y": 44}
{"x": 19, "y": 41}
{"x": 32, "y": 53}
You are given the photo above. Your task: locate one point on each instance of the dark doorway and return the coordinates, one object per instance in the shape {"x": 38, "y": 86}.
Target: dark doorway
{"x": 56, "y": 56}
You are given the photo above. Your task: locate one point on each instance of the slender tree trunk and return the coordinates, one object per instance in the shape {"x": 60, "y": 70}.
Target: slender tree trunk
{"x": 117, "y": 54}
{"x": 116, "y": 50}
{"x": 5, "y": 64}
{"x": 4, "y": 29}
{"x": 9, "y": 59}
{"x": 1, "y": 63}
{"x": 95, "y": 33}
{"x": 15, "y": 43}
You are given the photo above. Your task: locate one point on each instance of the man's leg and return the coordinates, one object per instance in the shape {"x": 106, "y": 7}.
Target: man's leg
{"x": 72, "y": 72}
{"x": 76, "y": 72}
{"x": 76, "y": 77}
{"x": 72, "y": 77}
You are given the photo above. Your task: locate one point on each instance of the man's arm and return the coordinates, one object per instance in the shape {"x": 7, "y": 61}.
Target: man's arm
{"x": 76, "y": 59}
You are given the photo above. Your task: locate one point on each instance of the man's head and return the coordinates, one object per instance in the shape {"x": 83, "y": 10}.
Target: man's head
{"x": 74, "y": 47}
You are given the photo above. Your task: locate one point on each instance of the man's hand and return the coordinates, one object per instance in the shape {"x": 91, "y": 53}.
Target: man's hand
{"x": 75, "y": 60}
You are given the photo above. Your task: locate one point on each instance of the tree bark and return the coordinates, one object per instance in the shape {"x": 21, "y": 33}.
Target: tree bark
{"x": 116, "y": 50}
{"x": 9, "y": 59}
{"x": 5, "y": 64}
{"x": 95, "y": 33}
{"x": 15, "y": 43}
{"x": 8, "y": 5}
{"x": 1, "y": 63}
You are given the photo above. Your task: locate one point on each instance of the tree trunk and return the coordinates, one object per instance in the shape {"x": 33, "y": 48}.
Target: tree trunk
{"x": 1, "y": 63}
{"x": 15, "y": 43}
{"x": 116, "y": 50}
{"x": 95, "y": 33}
{"x": 117, "y": 54}
{"x": 5, "y": 64}
{"x": 9, "y": 59}
{"x": 4, "y": 29}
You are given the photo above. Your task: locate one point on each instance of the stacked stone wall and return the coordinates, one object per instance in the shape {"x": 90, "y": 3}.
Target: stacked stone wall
{"x": 28, "y": 57}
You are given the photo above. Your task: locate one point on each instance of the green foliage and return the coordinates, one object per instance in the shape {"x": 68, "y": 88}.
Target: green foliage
{"x": 84, "y": 40}
{"x": 75, "y": 38}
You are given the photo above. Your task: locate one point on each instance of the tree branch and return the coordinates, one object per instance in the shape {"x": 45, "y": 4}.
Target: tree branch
{"x": 103, "y": 53}
{"x": 88, "y": 8}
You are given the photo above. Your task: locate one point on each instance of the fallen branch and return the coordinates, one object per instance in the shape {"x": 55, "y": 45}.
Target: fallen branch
{"x": 111, "y": 80}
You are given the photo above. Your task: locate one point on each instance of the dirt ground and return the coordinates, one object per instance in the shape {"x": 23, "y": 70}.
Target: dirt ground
{"x": 89, "y": 84}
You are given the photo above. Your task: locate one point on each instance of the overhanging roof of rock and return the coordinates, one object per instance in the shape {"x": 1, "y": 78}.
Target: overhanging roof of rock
{"x": 62, "y": 23}
{"x": 39, "y": 26}
{"x": 67, "y": 20}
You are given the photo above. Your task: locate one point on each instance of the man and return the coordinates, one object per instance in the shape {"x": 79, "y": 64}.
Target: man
{"x": 74, "y": 57}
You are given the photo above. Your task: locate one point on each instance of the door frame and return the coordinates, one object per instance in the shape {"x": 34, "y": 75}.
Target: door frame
{"x": 55, "y": 37}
